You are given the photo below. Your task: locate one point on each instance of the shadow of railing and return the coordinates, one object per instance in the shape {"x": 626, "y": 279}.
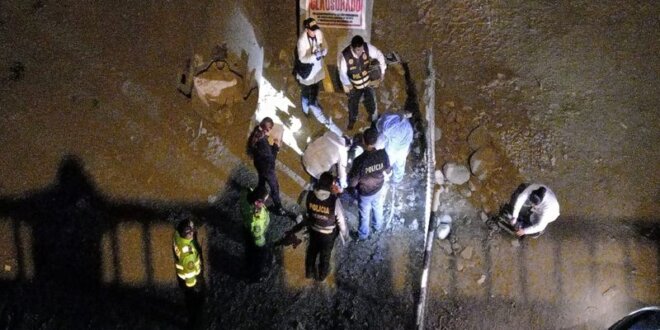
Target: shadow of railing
{"x": 69, "y": 245}
{"x": 579, "y": 273}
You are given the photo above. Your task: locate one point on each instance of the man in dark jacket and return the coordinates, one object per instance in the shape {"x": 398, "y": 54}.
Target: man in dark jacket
{"x": 368, "y": 175}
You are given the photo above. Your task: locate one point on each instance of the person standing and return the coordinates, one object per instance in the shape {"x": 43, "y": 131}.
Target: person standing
{"x": 264, "y": 155}
{"x": 395, "y": 136}
{"x": 323, "y": 216}
{"x": 255, "y": 222}
{"x": 368, "y": 174}
{"x": 354, "y": 65}
{"x": 533, "y": 209}
{"x": 311, "y": 51}
{"x": 188, "y": 265}
{"x": 326, "y": 152}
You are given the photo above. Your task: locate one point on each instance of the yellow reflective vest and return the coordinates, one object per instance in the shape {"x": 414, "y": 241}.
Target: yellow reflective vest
{"x": 188, "y": 263}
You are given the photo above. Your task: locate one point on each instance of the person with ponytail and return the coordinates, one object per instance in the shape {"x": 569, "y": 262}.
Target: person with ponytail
{"x": 264, "y": 155}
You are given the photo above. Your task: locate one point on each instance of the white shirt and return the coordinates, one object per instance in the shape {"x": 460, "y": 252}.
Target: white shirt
{"x": 543, "y": 214}
{"x": 325, "y": 152}
{"x": 373, "y": 53}
{"x": 306, "y": 48}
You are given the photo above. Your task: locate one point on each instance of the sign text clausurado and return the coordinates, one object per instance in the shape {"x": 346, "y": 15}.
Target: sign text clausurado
{"x": 347, "y": 14}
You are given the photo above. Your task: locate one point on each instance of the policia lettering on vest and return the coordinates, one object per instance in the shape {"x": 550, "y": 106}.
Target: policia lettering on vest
{"x": 356, "y": 62}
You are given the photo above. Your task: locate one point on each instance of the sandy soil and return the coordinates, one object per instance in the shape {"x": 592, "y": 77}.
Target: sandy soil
{"x": 101, "y": 155}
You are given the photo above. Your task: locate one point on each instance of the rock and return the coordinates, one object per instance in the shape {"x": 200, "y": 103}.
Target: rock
{"x": 479, "y": 137}
{"x": 414, "y": 225}
{"x": 515, "y": 242}
{"x": 438, "y": 134}
{"x": 481, "y": 280}
{"x": 456, "y": 174}
{"x": 439, "y": 178}
{"x": 467, "y": 253}
{"x": 445, "y": 246}
{"x": 466, "y": 192}
{"x": 459, "y": 266}
{"x": 7, "y": 268}
{"x": 484, "y": 216}
{"x": 501, "y": 76}
{"x": 484, "y": 161}
{"x": 443, "y": 230}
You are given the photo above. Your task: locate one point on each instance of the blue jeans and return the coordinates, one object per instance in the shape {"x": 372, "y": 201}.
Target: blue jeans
{"x": 370, "y": 205}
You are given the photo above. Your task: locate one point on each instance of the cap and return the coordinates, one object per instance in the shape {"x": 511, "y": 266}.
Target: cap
{"x": 310, "y": 23}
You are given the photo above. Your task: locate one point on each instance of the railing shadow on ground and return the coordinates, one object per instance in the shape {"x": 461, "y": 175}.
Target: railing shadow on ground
{"x": 63, "y": 272}
{"x": 84, "y": 259}
{"x": 579, "y": 273}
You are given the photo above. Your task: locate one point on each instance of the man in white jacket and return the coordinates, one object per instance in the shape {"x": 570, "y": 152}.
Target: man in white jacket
{"x": 311, "y": 50}
{"x": 539, "y": 207}
{"x": 325, "y": 152}
{"x": 353, "y": 65}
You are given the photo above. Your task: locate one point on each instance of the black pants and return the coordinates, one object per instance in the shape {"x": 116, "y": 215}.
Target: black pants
{"x": 320, "y": 246}
{"x": 268, "y": 176}
{"x": 256, "y": 257}
{"x": 354, "y": 102}
{"x": 194, "y": 299}
{"x": 309, "y": 96}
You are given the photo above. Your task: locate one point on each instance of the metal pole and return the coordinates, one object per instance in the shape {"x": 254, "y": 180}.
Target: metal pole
{"x": 432, "y": 202}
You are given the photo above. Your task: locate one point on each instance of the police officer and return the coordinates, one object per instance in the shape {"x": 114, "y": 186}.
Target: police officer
{"x": 255, "y": 222}
{"x": 325, "y": 153}
{"x": 368, "y": 174}
{"x": 188, "y": 267}
{"x": 264, "y": 156}
{"x": 354, "y": 62}
{"x": 186, "y": 251}
{"x": 323, "y": 216}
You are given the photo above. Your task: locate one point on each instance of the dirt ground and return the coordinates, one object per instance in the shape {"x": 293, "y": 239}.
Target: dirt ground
{"x": 102, "y": 155}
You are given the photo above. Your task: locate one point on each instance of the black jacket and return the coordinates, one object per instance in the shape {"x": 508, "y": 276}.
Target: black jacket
{"x": 367, "y": 172}
{"x": 264, "y": 155}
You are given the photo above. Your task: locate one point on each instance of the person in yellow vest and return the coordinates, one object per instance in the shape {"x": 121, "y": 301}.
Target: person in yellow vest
{"x": 186, "y": 251}
{"x": 188, "y": 263}
{"x": 255, "y": 220}
{"x": 354, "y": 65}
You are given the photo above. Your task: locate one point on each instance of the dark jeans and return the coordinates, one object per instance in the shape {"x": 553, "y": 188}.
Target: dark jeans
{"x": 524, "y": 217}
{"x": 256, "y": 257}
{"x": 309, "y": 96}
{"x": 354, "y": 102}
{"x": 269, "y": 177}
{"x": 194, "y": 299}
{"x": 320, "y": 246}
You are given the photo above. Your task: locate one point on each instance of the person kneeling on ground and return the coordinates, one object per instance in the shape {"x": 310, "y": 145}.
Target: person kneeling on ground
{"x": 326, "y": 152}
{"x": 256, "y": 220}
{"x": 323, "y": 215}
{"x": 533, "y": 209}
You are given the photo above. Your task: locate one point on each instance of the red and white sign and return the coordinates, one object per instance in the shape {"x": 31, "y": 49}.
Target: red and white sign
{"x": 346, "y": 14}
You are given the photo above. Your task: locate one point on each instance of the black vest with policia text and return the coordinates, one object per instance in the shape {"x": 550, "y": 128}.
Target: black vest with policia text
{"x": 358, "y": 68}
{"x": 321, "y": 213}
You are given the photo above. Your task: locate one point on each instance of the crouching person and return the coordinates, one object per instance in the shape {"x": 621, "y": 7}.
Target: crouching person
{"x": 534, "y": 208}
{"x": 255, "y": 220}
{"x": 324, "y": 219}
